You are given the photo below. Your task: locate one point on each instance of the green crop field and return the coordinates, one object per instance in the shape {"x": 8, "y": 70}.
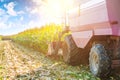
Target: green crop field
{"x": 38, "y": 38}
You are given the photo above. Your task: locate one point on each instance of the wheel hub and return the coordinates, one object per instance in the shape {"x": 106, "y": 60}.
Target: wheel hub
{"x": 95, "y": 62}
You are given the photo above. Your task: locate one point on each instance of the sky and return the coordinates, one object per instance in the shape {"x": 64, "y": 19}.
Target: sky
{"x": 19, "y": 15}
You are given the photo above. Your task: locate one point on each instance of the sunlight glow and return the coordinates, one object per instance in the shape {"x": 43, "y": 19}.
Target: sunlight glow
{"x": 57, "y": 9}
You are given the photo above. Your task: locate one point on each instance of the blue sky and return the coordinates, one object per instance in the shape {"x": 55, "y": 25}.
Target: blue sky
{"x": 18, "y": 15}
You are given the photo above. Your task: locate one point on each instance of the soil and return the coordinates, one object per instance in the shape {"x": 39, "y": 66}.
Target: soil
{"x": 20, "y": 63}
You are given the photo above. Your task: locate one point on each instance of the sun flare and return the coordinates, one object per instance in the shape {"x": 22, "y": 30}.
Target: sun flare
{"x": 56, "y": 10}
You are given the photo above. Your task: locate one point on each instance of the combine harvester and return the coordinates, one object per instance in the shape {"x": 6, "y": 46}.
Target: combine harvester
{"x": 94, "y": 38}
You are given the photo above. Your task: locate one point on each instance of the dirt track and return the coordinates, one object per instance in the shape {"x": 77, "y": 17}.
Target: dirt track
{"x": 18, "y": 60}
{"x": 20, "y": 63}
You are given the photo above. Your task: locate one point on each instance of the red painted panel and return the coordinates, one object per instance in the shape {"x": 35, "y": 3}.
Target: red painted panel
{"x": 92, "y": 15}
{"x": 82, "y": 38}
{"x": 100, "y": 20}
{"x": 113, "y": 7}
{"x": 91, "y": 26}
{"x": 103, "y": 31}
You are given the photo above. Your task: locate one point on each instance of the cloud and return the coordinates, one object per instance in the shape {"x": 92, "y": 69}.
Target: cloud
{"x": 10, "y": 9}
{"x": 21, "y": 18}
{"x": 33, "y": 24}
{"x": 4, "y": 26}
{"x": 11, "y": 28}
{"x": 39, "y": 2}
{"x": 2, "y": 12}
{"x": 20, "y": 12}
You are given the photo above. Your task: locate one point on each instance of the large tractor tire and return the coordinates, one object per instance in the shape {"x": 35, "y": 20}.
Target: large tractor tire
{"x": 71, "y": 53}
{"x": 99, "y": 61}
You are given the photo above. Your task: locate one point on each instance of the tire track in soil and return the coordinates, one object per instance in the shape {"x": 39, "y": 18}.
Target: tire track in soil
{"x": 17, "y": 62}
{"x": 24, "y": 64}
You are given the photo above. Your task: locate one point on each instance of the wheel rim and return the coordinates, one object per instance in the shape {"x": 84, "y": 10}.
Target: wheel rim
{"x": 95, "y": 62}
{"x": 99, "y": 61}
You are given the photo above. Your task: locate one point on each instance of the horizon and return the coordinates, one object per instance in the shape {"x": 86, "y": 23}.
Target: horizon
{"x": 17, "y": 15}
